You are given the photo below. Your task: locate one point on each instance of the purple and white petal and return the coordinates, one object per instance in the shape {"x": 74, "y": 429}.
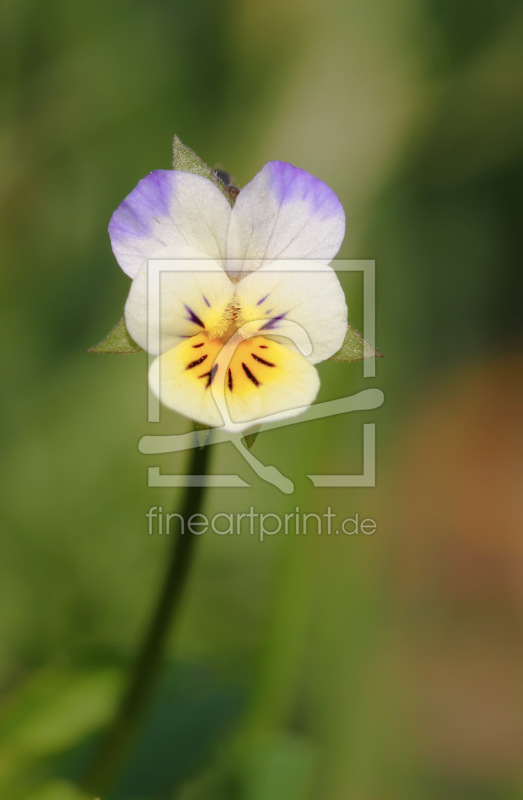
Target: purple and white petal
{"x": 285, "y": 295}
{"x": 284, "y": 212}
{"x": 168, "y": 209}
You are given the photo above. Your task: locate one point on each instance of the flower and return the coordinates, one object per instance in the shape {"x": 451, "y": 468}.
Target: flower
{"x": 248, "y": 303}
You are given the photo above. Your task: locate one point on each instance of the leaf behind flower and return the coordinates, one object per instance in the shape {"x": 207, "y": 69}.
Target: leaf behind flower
{"x": 118, "y": 340}
{"x": 356, "y": 348}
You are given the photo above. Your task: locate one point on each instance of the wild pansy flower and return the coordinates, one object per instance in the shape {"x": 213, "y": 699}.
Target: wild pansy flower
{"x": 248, "y": 303}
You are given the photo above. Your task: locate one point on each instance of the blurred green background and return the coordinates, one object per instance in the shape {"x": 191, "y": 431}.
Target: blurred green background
{"x": 336, "y": 668}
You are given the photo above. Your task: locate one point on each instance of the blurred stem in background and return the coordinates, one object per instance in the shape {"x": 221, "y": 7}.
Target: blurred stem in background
{"x": 110, "y": 758}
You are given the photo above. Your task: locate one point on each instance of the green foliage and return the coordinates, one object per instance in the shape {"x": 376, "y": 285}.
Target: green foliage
{"x": 190, "y": 714}
{"x": 56, "y": 790}
{"x": 117, "y": 340}
{"x": 52, "y": 723}
{"x": 355, "y": 348}
{"x": 49, "y": 715}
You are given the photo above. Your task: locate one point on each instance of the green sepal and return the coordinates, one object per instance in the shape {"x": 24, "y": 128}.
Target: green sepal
{"x": 117, "y": 340}
{"x": 356, "y": 348}
{"x": 203, "y": 432}
{"x": 250, "y": 438}
{"x": 186, "y": 160}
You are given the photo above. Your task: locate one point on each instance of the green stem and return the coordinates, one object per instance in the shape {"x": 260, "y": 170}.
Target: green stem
{"x": 109, "y": 760}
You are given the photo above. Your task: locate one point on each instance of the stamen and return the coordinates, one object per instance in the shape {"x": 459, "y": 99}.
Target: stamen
{"x": 195, "y": 363}
{"x": 262, "y": 360}
{"x": 249, "y": 374}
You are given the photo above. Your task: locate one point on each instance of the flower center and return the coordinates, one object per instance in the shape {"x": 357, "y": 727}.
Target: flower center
{"x": 222, "y": 326}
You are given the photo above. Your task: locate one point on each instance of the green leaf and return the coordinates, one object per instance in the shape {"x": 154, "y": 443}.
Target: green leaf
{"x": 355, "y": 348}
{"x": 186, "y": 160}
{"x": 191, "y": 713}
{"x": 53, "y": 722}
{"x": 117, "y": 341}
{"x": 56, "y": 789}
{"x": 55, "y": 711}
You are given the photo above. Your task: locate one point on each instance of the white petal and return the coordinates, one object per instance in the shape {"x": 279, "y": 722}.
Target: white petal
{"x": 169, "y": 208}
{"x": 189, "y": 295}
{"x": 304, "y": 293}
{"x": 284, "y": 212}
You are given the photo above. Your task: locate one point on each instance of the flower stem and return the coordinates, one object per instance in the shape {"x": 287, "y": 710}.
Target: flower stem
{"x": 109, "y": 760}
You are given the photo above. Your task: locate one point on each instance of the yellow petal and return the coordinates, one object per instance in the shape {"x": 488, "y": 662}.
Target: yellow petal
{"x": 182, "y": 376}
{"x": 263, "y": 380}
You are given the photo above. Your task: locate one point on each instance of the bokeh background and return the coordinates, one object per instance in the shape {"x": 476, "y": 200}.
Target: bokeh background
{"x": 336, "y": 668}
